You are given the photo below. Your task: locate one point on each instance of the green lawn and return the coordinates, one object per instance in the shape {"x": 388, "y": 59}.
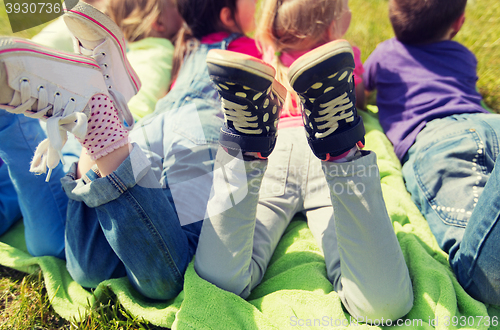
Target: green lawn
{"x": 23, "y": 300}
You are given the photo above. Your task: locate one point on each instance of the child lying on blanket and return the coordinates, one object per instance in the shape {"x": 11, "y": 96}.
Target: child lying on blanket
{"x": 447, "y": 143}
{"x": 117, "y": 217}
{"x": 273, "y": 172}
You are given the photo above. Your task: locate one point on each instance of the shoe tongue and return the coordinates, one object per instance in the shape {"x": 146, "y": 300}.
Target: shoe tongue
{"x": 85, "y": 51}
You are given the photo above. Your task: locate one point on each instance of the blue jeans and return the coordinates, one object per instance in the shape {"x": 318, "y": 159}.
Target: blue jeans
{"x": 145, "y": 218}
{"x": 453, "y": 173}
{"x": 43, "y": 205}
{"x": 123, "y": 224}
{"x": 10, "y": 211}
{"x": 111, "y": 227}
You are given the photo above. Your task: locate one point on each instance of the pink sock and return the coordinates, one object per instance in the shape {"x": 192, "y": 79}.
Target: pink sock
{"x": 105, "y": 132}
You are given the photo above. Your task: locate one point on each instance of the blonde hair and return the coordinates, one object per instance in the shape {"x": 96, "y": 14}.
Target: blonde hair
{"x": 135, "y": 17}
{"x": 294, "y": 25}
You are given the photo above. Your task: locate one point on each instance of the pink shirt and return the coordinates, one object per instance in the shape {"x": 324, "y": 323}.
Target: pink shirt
{"x": 243, "y": 44}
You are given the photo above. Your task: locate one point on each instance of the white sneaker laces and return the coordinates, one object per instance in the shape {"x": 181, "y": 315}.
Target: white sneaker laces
{"x": 242, "y": 119}
{"x": 61, "y": 120}
{"x": 334, "y": 111}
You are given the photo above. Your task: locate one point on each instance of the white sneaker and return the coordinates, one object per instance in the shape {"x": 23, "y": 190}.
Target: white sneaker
{"x": 51, "y": 85}
{"x": 99, "y": 37}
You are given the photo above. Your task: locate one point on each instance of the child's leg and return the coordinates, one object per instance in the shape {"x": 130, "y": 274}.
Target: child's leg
{"x": 9, "y": 204}
{"x": 242, "y": 230}
{"x": 89, "y": 256}
{"x": 446, "y": 171}
{"x": 476, "y": 262}
{"x": 140, "y": 226}
{"x": 363, "y": 257}
{"x": 131, "y": 222}
{"x": 43, "y": 204}
{"x": 238, "y": 241}
{"x": 31, "y": 84}
{"x": 365, "y": 262}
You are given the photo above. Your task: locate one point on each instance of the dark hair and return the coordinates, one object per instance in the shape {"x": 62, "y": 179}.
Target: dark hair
{"x": 420, "y": 22}
{"x": 201, "y": 18}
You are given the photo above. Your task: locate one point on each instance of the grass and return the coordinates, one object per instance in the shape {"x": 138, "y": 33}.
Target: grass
{"x": 25, "y": 305}
{"x": 23, "y": 299}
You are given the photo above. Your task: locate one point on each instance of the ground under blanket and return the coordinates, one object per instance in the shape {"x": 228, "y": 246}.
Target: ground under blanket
{"x": 295, "y": 292}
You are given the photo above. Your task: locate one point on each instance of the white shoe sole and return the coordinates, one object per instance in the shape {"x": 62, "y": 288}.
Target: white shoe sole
{"x": 87, "y": 14}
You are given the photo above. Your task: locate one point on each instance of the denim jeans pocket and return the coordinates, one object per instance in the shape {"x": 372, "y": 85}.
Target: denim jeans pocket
{"x": 275, "y": 177}
{"x": 450, "y": 170}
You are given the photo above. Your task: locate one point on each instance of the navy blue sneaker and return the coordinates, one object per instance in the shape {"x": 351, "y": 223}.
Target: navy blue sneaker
{"x": 324, "y": 82}
{"x": 251, "y": 101}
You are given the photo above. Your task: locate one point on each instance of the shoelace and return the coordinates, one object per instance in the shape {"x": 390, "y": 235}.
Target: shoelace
{"x": 242, "y": 120}
{"x": 48, "y": 153}
{"x": 335, "y": 110}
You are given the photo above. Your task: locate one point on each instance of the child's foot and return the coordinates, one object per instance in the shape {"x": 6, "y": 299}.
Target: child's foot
{"x": 51, "y": 85}
{"x": 98, "y": 36}
{"x": 251, "y": 99}
{"x": 323, "y": 80}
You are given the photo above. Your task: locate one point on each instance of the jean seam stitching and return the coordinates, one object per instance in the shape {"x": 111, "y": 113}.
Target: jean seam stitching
{"x": 154, "y": 232}
{"x": 116, "y": 182}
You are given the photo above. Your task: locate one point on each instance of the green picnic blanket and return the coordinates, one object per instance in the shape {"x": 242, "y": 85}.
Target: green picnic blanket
{"x": 295, "y": 292}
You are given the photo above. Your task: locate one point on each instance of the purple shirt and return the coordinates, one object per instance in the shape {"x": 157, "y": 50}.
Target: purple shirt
{"x": 416, "y": 84}
{"x": 1, "y": 162}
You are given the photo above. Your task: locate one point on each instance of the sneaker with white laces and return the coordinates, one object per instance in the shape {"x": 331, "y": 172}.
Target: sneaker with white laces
{"x": 51, "y": 85}
{"x": 324, "y": 82}
{"x": 251, "y": 100}
{"x": 96, "y": 35}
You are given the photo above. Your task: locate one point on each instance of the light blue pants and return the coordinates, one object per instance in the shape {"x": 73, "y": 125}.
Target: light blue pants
{"x": 453, "y": 174}
{"x": 254, "y": 201}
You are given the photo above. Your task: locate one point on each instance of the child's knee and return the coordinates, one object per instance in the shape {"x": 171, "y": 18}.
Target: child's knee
{"x": 162, "y": 289}
{"x": 46, "y": 248}
{"x": 384, "y": 309}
